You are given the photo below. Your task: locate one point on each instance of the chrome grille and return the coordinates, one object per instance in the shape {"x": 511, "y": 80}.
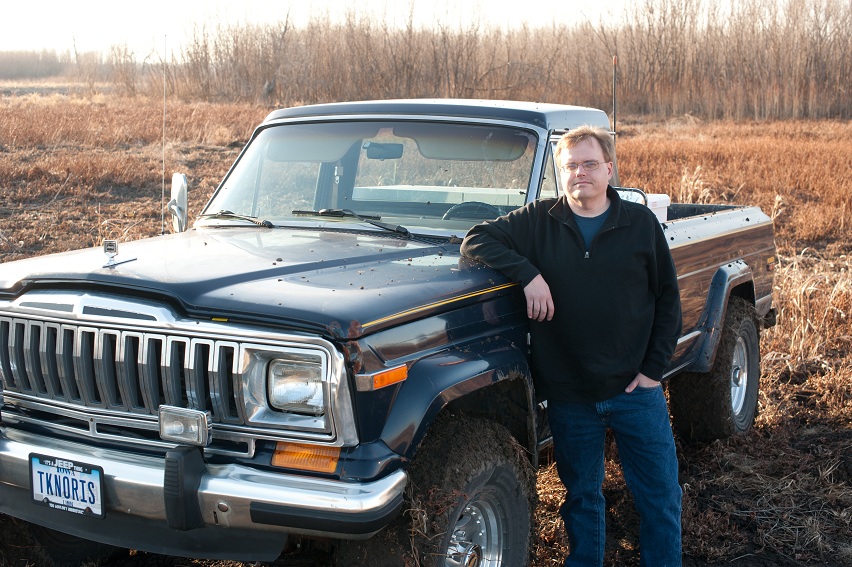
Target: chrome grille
{"x": 101, "y": 365}
{"x": 120, "y": 370}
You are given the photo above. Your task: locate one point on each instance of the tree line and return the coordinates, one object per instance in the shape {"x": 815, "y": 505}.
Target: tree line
{"x": 714, "y": 59}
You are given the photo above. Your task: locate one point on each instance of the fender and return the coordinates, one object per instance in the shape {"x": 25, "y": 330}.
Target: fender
{"x": 724, "y": 283}
{"x": 438, "y": 380}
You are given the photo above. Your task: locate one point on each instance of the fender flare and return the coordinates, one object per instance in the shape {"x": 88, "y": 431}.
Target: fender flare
{"x": 727, "y": 280}
{"x": 436, "y": 381}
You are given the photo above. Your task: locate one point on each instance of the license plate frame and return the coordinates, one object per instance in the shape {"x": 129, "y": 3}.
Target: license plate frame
{"x": 67, "y": 485}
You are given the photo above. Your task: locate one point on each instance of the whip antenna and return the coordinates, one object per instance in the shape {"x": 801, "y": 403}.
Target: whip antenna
{"x": 614, "y": 106}
{"x": 163, "y": 191}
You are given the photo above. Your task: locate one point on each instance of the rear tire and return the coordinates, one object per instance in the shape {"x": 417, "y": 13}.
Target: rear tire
{"x": 723, "y": 402}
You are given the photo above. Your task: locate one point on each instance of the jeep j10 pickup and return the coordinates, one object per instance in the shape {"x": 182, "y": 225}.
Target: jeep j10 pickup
{"x": 312, "y": 362}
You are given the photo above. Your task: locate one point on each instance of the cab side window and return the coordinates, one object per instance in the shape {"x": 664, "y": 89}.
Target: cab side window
{"x": 549, "y": 182}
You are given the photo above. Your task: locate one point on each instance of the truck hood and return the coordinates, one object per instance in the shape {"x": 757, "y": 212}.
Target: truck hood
{"x": 339, "y": 283}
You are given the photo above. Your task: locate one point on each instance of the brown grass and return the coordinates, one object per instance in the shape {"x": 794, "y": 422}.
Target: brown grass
{"x": 76, "y": 170}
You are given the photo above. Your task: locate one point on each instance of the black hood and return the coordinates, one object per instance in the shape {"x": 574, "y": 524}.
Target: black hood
{"x": 340, "y": 283}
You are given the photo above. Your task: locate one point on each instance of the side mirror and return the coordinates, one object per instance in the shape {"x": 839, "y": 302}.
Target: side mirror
{"x": 177, "y": 206}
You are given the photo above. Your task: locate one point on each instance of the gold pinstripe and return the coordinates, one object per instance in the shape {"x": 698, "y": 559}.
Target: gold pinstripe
{"x": 437, "y": 304}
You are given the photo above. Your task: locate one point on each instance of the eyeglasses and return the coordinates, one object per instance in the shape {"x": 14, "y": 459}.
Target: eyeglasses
{"x": 587, "y": 166}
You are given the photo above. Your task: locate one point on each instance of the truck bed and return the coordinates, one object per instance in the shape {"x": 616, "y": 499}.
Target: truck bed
{"x": 677, "y": 211}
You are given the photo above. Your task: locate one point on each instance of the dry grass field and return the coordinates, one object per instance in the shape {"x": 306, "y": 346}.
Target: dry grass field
{"x": 74, "y": 171}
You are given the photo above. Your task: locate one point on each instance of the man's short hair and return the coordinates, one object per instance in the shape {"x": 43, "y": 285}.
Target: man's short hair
{"x": 573, "y": 137}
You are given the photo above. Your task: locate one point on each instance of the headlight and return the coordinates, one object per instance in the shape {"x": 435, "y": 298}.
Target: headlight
{"x": 299, "y": 390}
{"x": 296, "y": 386}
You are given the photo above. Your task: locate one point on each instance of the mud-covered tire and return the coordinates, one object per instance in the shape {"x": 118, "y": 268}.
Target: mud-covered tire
{"x": 62, "y": 550}
{"x": 723, "y": 402}
{"x": 472, "y": 496}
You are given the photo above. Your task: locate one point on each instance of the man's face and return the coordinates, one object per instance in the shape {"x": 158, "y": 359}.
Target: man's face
{"x": 581, "y": 184}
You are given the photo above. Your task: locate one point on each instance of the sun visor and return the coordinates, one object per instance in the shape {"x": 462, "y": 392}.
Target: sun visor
{"x": 468, "y": 143}
{"x": 315, "y": 142}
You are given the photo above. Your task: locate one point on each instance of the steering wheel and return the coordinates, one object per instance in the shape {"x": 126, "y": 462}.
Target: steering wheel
{"x": 472, "y": 210}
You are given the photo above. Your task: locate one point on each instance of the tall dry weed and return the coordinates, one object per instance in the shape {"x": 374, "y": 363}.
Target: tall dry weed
{"x": 757, "y": 60}
{"x": 760, "y": 60}
{"x": 816, "y": 309}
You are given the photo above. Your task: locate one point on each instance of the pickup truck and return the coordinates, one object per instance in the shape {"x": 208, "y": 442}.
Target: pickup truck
{"x": 313, "y": 367}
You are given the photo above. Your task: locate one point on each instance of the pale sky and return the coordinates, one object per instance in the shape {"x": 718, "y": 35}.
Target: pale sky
{"x": 146, "y": 26}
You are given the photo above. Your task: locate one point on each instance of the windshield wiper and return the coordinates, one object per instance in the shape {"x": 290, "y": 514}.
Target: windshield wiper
{"x": 369, "y": 219}
{"x": 337, "y": 213}
{"x": 233, "y": 215}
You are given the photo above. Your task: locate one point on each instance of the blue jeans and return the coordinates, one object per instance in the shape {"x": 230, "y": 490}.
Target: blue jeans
{"x": 643, "y": 434}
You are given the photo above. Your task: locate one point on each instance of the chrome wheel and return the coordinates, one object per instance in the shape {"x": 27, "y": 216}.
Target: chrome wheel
{"x": 739, "y": 376}
{"x": 476, "y": 539}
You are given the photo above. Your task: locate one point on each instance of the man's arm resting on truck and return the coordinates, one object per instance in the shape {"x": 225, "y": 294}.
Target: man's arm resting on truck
{"x": 498, "y": 244}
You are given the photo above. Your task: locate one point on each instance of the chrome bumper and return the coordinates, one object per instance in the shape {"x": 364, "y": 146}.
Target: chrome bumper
{"x": 232, "y": 499}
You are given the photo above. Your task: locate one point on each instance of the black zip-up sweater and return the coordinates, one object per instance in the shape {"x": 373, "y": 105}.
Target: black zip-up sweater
{"x": 617, "y": 308}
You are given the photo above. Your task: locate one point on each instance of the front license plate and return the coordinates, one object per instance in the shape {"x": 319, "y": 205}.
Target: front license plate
{"x": 67, "y": 485}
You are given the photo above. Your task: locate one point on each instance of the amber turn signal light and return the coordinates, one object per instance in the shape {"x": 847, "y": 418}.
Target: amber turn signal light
{"x": 389, "y": 377}
{"x": 372, "y": 382}
{"x": 315, "y": 458}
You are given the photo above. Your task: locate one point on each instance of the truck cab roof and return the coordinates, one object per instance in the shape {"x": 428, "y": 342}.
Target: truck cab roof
{"x": 543, "y": 115}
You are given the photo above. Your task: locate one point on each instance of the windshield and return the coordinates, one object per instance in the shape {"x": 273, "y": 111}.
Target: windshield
{"x": 417, "y": 174}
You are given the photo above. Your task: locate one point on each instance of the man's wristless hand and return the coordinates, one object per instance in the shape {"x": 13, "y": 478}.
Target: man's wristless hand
{"x": 539, "y": 300}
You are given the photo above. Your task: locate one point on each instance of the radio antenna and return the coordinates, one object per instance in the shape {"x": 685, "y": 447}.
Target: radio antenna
{"x": 614, "y": 105}
{"x": 163, "y": 190}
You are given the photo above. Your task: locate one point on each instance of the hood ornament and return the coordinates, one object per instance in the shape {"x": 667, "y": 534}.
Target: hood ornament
{"x": 111, "y": 251}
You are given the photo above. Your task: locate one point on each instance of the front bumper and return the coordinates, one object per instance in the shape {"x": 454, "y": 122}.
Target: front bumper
{"x": 245, "y": 514}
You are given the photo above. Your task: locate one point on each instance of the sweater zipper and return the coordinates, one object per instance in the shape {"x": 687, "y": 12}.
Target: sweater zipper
{"x": 603, "y": 230}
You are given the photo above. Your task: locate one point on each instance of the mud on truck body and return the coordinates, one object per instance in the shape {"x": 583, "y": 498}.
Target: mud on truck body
{"x": 313, "y": 365}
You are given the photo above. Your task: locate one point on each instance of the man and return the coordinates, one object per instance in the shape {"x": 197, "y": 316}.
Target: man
{"x": 604, "y": 309}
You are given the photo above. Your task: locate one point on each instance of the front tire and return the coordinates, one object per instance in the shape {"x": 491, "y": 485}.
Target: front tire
{"x": 723, "y": 402}
{"x": 473, "y": 493}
